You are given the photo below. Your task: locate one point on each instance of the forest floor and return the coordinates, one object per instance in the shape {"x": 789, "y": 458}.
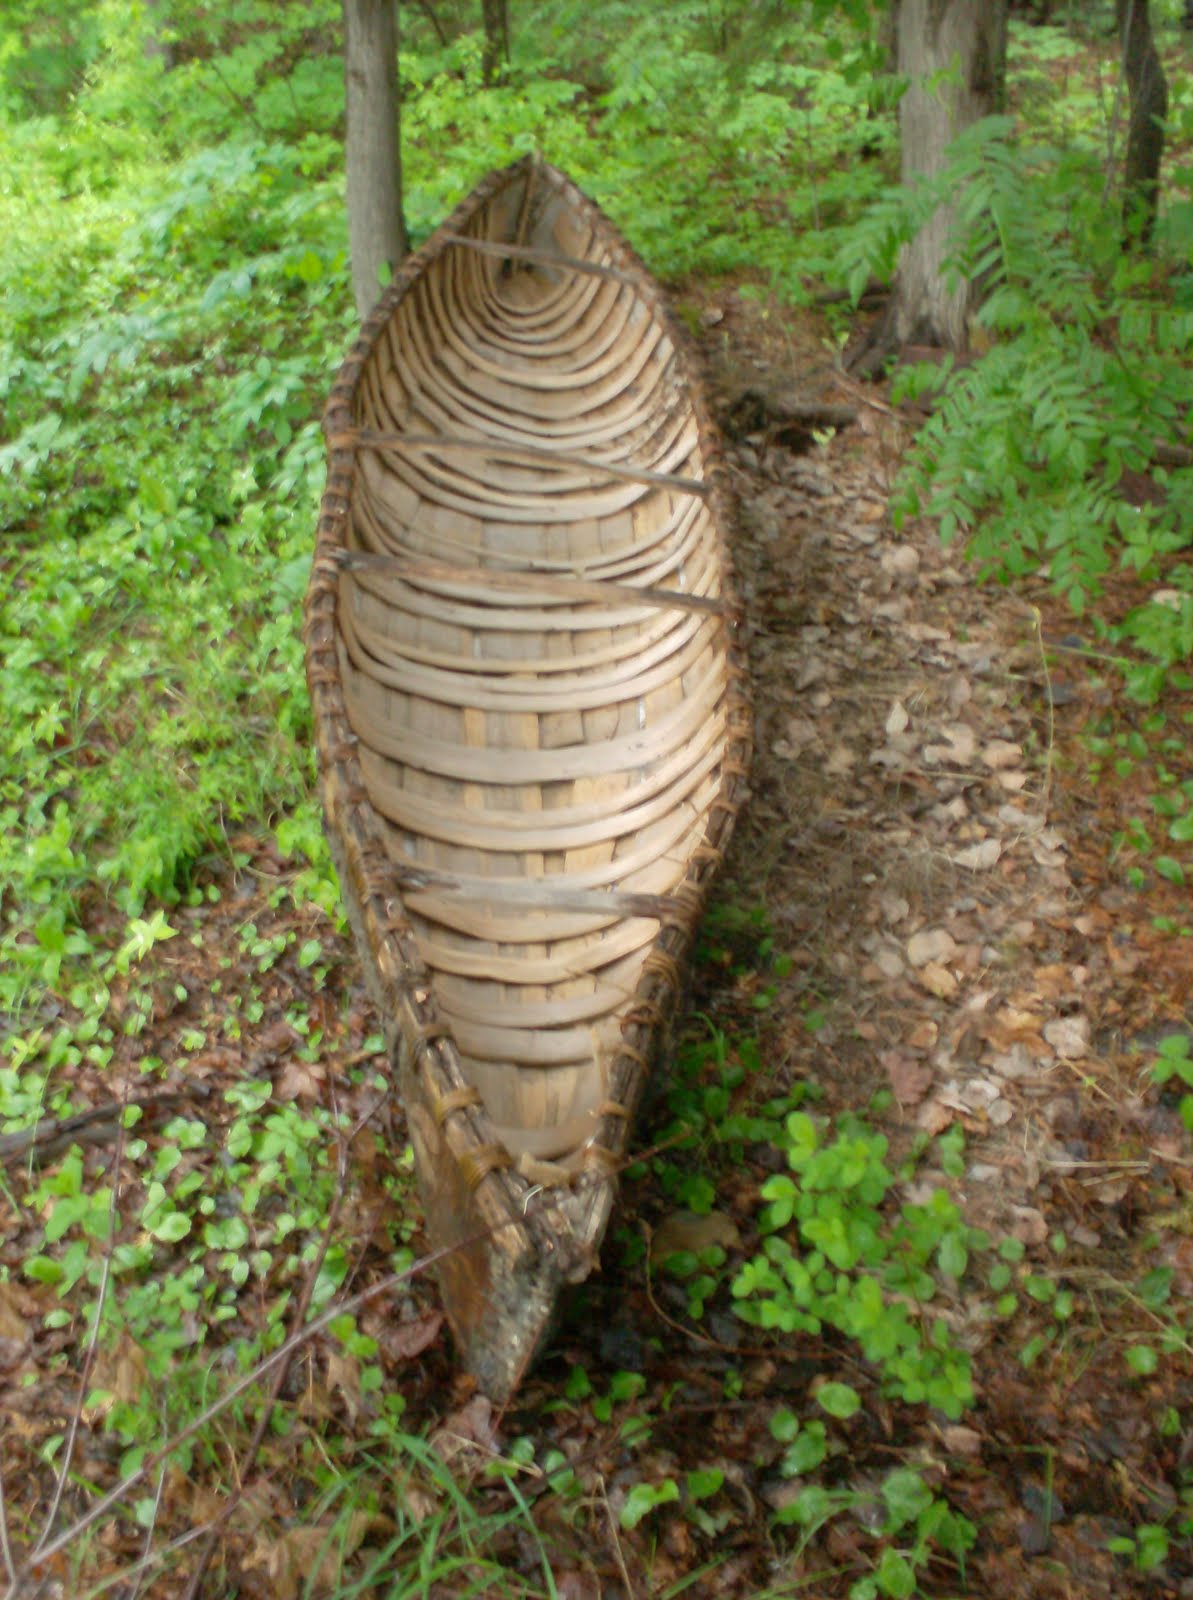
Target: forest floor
{"x": 926, "y": 846}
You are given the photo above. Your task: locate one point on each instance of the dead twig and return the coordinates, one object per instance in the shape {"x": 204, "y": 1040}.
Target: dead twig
{"x": 54, "y": 1135}
{"x": 618, "y": 1553}
{"x": 5, "y": 1542}
{"x": 1050, "y": 753}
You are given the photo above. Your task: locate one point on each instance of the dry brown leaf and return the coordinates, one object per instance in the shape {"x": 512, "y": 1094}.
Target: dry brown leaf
{"x": 901, "y": 561}
{"x": 685, "y": 1230}
{"x": 575, "y": 1584}
{"x": 910, "y": 1079}
{"x": 1012, "y": 782}
{"x": 410, "y": 1339}
{"x": 930, "y": 944}
{"x": 470, "y": 1431}
{"x": 15, "y": 1332}
{"x": 894, "y": 907}
{"x": 897, "y": 720}
{"x": 1053, "y": 980}
{"x": 960, "y": 749}
{"x": 1068, "y": 1036}
{"x": 122, "y": 1375}
{"x": 889, "y": 962}
{"x": 935, "y": 1116}
{"x": 300, "y": 1080}
{"x": 1000, "y": 754}
{"x": 1009, "y": 1025}
{"x": 979, "y": 857}
{"x": 961, "y": 1441}
{"x": 276, "y": 1038}
{"x": 417, "y": 1502}
{"x": 937, "y": 980}
{"x": 343, "y": 1374}
{"x": 1030, "y": 1226}
{"x": 311, "y": 1559}
{"x": 1013, "y": 1063}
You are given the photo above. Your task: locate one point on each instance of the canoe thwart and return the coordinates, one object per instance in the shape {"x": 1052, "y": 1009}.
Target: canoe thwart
{"x": 369, "y": 439}
{"x": 527, "y": 581}
{"x": 542, "y": 258}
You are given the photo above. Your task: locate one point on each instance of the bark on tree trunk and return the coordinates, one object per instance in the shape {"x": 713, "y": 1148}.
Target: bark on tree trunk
{"x": 376, "y": 229}
{"x": 953, "y": 55}
{"x": 157, "y": 48}
{"x": 1148, "y": 92}
{"x": 495, "y": 14}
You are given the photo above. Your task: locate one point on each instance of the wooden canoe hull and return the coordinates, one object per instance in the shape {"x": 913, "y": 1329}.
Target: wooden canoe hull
{"x": 521, "y": 655}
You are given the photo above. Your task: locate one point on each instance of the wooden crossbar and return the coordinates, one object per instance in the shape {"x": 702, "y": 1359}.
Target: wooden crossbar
{"x": 523, "y": 582}
{"x": 546, "y": 258}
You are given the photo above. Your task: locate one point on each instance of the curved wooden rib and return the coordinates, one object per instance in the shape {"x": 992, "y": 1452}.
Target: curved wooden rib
{"x": 528, "y": 772}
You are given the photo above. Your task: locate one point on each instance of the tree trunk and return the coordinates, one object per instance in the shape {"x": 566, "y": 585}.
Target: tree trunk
{"x": 376, "y": 229}
{"x": 497, "y": 37}
{"x": 1148, "y": 91}
{"x": 157, "y": 46}
{"x": 953, "y": 55}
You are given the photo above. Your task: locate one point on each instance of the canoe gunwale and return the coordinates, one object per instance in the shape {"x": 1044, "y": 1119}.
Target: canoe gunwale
{"x": 538, "y": 1237}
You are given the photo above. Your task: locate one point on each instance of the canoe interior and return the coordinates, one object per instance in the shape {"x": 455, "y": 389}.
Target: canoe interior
{"x": 528, "y": 773}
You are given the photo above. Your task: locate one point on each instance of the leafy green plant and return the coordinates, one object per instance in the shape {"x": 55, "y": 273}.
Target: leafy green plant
{"x": 1026, "y": 454}
{"x": 1173, "y": 1061}
{"x": 830, "y": 1256}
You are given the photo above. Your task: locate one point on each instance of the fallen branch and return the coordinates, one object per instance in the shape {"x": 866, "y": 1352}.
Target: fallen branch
{"x": 875, "y": 289}
{"x": 53, "y": 1136}
{"x": 752, "y": 410}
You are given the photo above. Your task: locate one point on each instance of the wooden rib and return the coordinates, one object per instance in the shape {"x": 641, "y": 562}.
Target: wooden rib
{"x": 538, "y": 894}
{"x": 504, "y": 831}
{"x": 477, "y": 962}
{"x": 498, "y": 766}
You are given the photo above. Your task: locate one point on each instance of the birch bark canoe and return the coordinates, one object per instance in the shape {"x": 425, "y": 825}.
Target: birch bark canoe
{"x": 533, "y": 741}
